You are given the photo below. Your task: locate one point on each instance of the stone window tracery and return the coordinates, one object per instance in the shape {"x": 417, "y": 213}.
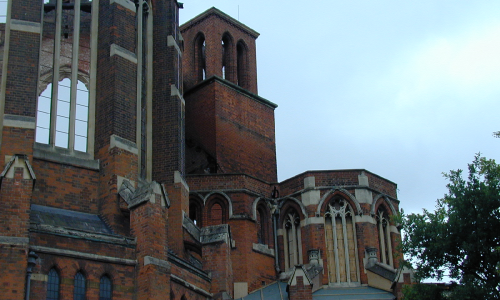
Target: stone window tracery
{"x": 340, "y": 235}
{"x": 384, "y": 237}
{"x": 292, "y": 239}
{"x": 64, "y": 108}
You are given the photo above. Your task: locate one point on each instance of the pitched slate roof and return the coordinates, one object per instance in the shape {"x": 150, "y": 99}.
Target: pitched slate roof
{"x": 68, "y": 219}
{"x": 277, "y": 291}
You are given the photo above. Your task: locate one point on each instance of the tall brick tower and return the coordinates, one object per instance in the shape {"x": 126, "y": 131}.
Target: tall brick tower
{"x": 230, "y": 150}
{"x": 225, "y": 117}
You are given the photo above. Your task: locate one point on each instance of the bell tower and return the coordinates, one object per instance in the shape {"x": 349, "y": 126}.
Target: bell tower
{"x": 229, "y": 128}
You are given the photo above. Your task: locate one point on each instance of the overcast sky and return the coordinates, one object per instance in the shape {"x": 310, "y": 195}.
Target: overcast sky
{"x": 404, "y": 89}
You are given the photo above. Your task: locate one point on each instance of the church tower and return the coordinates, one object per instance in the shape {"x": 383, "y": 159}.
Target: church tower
{"x": 229, "y": 128}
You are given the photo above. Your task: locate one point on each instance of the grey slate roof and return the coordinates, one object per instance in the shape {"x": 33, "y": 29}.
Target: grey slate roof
{"x": 277, "y": 291}
{"x": 353, "y": 293}
{"x": 69, "y": 219}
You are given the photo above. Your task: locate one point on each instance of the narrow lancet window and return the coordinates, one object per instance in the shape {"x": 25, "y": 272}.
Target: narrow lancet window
{"x": 292, "y": 239}
{"x": 53, "y": 285}
{"x": 384, "y": 237}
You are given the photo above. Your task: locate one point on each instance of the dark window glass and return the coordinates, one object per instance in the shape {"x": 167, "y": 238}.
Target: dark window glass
{"x": 53, "y": 285}
{"x": 79, "y": 292}
{"x": 105, "y": 288}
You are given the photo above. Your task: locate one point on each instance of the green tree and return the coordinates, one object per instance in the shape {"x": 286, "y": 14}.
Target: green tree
{"x": 461, "y": 238}
{"x": 423, "y": 292}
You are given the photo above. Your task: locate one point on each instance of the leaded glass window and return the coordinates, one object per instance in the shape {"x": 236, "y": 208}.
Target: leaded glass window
{"x": 53, "y": 285}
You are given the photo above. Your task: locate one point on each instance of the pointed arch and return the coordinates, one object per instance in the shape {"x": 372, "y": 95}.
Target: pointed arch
{"x": 300, "y": 205}
{"x": 53, "y": 284}
{"x": 218, "y": 208}
{"x": 196, "y": 209}
{"x": 384, "y": 236}
{"x": 387, "y": 202}
{"x": 341, "y": 243}
{"x": 345, "y": 193}
{"x": 105, "y": 287}
{"x": 79, "y": 291}
{"x": 67, "y": 126}
{"x": 263, "y": 219}
{"x": 292, "y": 237}
{"x": 223, "y": 195}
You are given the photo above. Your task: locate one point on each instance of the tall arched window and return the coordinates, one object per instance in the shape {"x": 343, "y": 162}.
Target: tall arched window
{"x": 242, "y": 64}
{"x": 200, "y": 57}
{"x": 79, "y": 287}
{"x": 340, "y": 235}
{"x": 262, "y": 225}
{"x": 291, "y": 239}
{"x": 53, "y": 285}
{"x": 195, "y": 210}
{"x": 66, "y": 67}
{"x": 261, "y": 237}
{"x": 105, "y": 288}
{"x": 71, "y": 120}
{"x": 227, "y": 64}
{"x": 384, "y": 237}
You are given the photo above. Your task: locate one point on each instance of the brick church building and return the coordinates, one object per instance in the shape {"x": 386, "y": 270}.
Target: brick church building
{"x": 139, "y": 162}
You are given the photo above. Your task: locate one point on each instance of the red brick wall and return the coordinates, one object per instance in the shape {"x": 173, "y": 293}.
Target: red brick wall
{"x": 299, "y": 291}
{"x": 116, "y": 76}
{"x": 15, "y": 194}
{"x": 65, "y": 186}
{"x": 201, "y": 118}
{"x": 217, "y": 261}
{"x": 239, "y": 132}
{"x": 122, "y": 277}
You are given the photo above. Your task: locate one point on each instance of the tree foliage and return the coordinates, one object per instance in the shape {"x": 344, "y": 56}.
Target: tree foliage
{"x": 423, "y": 292}
{"x": 461, "y": 238}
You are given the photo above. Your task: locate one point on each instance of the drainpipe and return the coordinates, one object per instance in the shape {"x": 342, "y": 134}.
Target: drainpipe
{"x": 275, "y": 194}
{"x": 32, "y": 257}
{"x": 276, "y": 255}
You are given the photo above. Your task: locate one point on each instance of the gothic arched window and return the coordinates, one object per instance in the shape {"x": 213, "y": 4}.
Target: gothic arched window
{"x": 79, "y": 287}
{"x": 195, "y": 212}
{"x": 53, "y": 285}
{"x": 292, "y": 243}
{"x": 340, "y": 235}
{"x": 384, "y": 237}
{"x": 65, "y": 104}
{"x": 262, "y": 225}
{"x": 71, "y": 120}
{"x": 105, "y": 291}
